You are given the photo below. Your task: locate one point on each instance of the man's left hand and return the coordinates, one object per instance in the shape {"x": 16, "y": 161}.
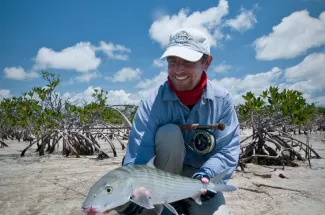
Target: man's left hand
{"x": 206, "y": 194}
{"x": 204, "y": 181}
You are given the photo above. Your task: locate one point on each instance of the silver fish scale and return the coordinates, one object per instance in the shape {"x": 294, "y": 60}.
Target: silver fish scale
{"x": 163, "y": 186}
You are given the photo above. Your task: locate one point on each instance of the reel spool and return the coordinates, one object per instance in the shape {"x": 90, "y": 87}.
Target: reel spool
{"x": 203, "y": 141}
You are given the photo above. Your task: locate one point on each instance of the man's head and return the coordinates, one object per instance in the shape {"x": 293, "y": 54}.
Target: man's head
{"x": 188, "y": 55}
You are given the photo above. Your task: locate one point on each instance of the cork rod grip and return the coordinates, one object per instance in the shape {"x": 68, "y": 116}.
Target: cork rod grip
{"x": 219, "y": 126}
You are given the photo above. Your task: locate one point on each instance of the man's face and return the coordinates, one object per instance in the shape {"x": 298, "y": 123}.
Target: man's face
{"x": 185, "y": 75}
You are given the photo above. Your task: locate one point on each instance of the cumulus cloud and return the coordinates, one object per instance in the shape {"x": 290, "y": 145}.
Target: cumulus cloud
{"x": 125, "y": 74}
{"x": 302, "y": 86}
{"x": 318, "y": 100}
{"x": 308, "y": 74}
{"x": 114, "y": 97}
{"x": 158, "y": 13}
{"x": 242, "y": 22}
{"x": 87, "y": 77}
{"x": 80, "y": 57}
{"x": 18, "y": 73}
{"x": 160, "y": 63}
{"x": 4, "y": 93}
{"x": 119, "y": 97}
{"x": 83, "y": 78}
{"x": 255, "y": 83}
{"x": 117, "y": 52}
{"x": 154, "y": 82}
{"x": 308, "y": 77}
{"x": 148, "y": 85}
{"x": 208, "y": 21}
{"x": 221, "y": 68}
{"x": 292, "y": 37}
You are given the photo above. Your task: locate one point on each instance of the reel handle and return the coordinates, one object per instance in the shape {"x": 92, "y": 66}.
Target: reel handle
{"x": 219, "y": 126}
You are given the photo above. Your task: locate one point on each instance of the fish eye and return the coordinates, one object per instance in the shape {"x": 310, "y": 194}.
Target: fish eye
{"x": 109, "y": 189}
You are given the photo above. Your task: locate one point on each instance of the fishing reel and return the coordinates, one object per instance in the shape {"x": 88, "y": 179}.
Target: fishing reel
{"x": 203, "y": 141}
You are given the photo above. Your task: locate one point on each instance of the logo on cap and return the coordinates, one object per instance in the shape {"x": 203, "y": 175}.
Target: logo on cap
{"x": 181, "y": 38}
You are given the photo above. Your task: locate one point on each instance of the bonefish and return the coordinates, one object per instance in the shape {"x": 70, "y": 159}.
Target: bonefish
{"x": 148, "y": 187}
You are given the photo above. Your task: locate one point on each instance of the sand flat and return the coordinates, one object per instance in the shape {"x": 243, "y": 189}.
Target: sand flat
{"x": 53, "y": 184}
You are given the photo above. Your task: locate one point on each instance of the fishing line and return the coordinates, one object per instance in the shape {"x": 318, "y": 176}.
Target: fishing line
{"x": 68, "y": 188}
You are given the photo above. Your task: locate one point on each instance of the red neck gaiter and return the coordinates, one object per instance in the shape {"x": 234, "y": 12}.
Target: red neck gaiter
{"x": 191, "y": 97}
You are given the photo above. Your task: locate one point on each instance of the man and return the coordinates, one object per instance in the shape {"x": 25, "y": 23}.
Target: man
{"x": 187, "y": 97}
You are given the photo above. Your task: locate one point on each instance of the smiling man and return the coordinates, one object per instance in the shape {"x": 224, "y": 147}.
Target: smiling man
{"x": 187, "y": 97}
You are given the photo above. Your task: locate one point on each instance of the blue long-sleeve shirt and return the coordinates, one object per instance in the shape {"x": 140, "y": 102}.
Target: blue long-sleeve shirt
{"x": 163, "y": 106}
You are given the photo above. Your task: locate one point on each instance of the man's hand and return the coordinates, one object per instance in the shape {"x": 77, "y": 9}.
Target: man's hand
{"x": 206, "y": 194}
{"x": 204, "y": 181}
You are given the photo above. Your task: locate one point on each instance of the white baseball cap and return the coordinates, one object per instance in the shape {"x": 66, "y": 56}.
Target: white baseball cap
{"x": 187, "y": 43}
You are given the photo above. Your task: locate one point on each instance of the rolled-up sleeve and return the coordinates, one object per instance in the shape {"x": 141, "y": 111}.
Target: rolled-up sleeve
{"x": 140, "y": 148}
{"x": 227, "y": 149}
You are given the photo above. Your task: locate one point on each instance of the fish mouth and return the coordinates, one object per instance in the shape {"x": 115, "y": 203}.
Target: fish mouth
{"x": 93, "y": 211}
{"x": 90, "y": 210}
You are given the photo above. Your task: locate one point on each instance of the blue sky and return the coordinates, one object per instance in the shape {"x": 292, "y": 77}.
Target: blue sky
{"x": 116, "y": 45}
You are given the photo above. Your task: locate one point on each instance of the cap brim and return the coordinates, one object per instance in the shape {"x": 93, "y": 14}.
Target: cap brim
{"x": 182, "y": 52}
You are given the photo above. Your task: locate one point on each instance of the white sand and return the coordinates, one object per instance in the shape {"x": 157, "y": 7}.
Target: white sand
{"x": 49, "y": 184}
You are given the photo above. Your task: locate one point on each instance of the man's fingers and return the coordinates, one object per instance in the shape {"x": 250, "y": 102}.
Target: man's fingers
{"x": 205, "y": 180}
{"x": 203, "y": 191}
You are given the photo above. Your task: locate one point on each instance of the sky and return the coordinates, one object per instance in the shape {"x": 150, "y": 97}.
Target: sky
{"x": 116, "y": 45}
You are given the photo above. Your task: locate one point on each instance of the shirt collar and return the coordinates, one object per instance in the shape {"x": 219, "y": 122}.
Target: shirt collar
{"x": 170, "y": 95}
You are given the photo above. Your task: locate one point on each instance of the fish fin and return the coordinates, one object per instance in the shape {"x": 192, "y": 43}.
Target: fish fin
{"x": 197, "y": 199}
{"x": 158, "y": 209}
{"x": 219, "y": 187}
{"x": 151, "y": 162}
{"x": 224, "y": 188}
{"x": 220, "y": 176}
{"x": 142, "y": 197}
{"x": 171, "y": 208}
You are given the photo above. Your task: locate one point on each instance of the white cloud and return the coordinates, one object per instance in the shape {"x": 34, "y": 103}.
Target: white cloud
{"x": 4, "y": 93}
{"x": 208, "y": 21}
{"x": 302, "y": 86}
{"x": 154, "y": 82}
{"x": 221, "y": 67}
{"x": 80, "y": 57}
{"x": 18, "y": 73}
{"x": 243, "y": 22}
{"x": 228, "y": 37}
{"x": 83, "y": 78}
{"x": 125, "y": 74}
{"x": 292, "y": 37}
{"x": 255, "y": 83}
{"x": 308, "y": 74}
{"x": 117, "y": 52}
{"x": 119, "y": 97}
{"x": 318, "y": 100}
{"x": 159, "y": 13}
{"x": 307, "y": 77}
{"x": 114, "y": 97}
{"x": 160, "y": 63}
{"x": 313, "y": 66}
{"x": 87, "y": 77}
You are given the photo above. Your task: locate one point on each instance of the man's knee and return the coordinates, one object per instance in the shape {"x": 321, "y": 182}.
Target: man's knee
{"x": 169, "y": 149}
{"x": 169, "y": 138}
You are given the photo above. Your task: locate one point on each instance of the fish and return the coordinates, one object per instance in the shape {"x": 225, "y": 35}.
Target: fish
{"x": 148, "y": 187}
